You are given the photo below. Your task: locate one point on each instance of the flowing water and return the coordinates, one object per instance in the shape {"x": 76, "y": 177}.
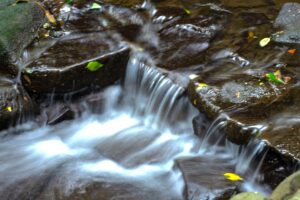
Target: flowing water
{"x": 129, "y": 149}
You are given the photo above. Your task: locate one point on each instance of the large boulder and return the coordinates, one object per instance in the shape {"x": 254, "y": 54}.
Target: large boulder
{"x": 19, "y": 24}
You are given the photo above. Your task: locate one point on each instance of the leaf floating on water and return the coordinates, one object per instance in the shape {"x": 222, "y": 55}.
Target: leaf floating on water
{"x": 264, "y": 42}
{"x": 94, "y": 66}
{"x": 201, "y": 86}
{"x": 233, "y": 177}
{"x": 238, "y": 94}
{"x": 251, "y": 36}
{"x": 96, "y": 6}
{"x": 292, "y": 51}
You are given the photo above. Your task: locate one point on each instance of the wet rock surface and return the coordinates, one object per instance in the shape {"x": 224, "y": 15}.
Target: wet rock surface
{"x": 16, "y": 105}
{"x": 19, "y": 25}
{"x": 217, "y": 40}
{"x": 204, "y": 178}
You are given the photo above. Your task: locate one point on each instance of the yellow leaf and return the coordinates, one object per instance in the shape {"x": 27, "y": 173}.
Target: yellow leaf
{"x": 233, "y": 177}
{"x": 9, "y": 108}
{"x": 195, "y": 102}
{"x": 261, "y": 83}
{"x": 50, "y": 17}
{"x": 265, "y": 41}
{"x": 238, "y": 94}
{"x": 201, "y": 86}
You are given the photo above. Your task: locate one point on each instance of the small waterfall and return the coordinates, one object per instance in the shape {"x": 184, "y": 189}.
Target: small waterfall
{"x": 128, "y": 151}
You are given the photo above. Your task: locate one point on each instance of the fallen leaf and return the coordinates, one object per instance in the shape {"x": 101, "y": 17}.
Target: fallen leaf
{"x": 264, "y": 42}
{"x": 94, "y": 66}
{"x": 251, "y": 36}
{"x": 96, "y": 6}
{"x": 261, "y": 83}
{"x": 292, "y": 51}
{"x": 50, "y": 17}
{"x": 70, "y": 2}
{"x": 195, "y": 102}
{"x": 233, "y": 177}
{"x": 9, "y": 108}
{"x": 238, "y": 94}
{"x": 201, "y": 86}
{"x": 187, "y": 11}
{"x": 272, "y": 78}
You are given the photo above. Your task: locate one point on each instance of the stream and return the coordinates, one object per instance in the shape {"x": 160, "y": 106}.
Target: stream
{"x": 132, "y": 149}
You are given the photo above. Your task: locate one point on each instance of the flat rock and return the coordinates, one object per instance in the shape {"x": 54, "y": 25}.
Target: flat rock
{"x": 62, "y": 68}
{"x": 21, "y": 23}
{"x": 288, "y": 21}
{"x": 204, "y": 178}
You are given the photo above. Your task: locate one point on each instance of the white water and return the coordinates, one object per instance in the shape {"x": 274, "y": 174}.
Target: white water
{"x": 130, "y": 148}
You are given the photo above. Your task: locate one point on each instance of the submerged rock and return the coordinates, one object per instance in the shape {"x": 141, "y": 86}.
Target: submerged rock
{"x": 19, "y": 24}
{"x": 204, "y": 178}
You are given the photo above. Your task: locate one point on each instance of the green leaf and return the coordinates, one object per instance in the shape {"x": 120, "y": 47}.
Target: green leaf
{"x": 96, "y": 6}
{"x": 70, "y": 2}
{"x": 272, "y": 78}
{"x": 94, "y": 66}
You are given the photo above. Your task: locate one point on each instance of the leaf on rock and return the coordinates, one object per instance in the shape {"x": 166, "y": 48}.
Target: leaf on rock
{"x": 264, "y": 42}
{"x": 96, "y": 6}
{"x": 233, "y": 177}
{"x": 275, "y": 77}
{"x": 70, "y": 2}
{"x": 9, "y": 108}
{"x": 292, "y": 51}
{"x": 94, "y": 66}
{"x": 50, "y": 17}
{"x": 201, "y": 86}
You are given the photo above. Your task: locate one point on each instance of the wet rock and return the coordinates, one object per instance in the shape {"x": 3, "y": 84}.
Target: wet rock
{"x": 21, "y": 23}
{"x": 288, "y": 21}
{"x": 289, "y": 189}
{"x": 62, "y": 68}
{"x": 247, "y": 4}
{"x": 204, "y": 178}
{"x": 248, "y": 196}
{"x": 15, "y": 104}
{"x": 183, "y": 38}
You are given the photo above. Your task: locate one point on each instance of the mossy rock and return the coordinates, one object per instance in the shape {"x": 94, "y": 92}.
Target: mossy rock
{"x": 249, "y": 196}
{"x": 19, "y": 24}
{"x": 289, "y": 189}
